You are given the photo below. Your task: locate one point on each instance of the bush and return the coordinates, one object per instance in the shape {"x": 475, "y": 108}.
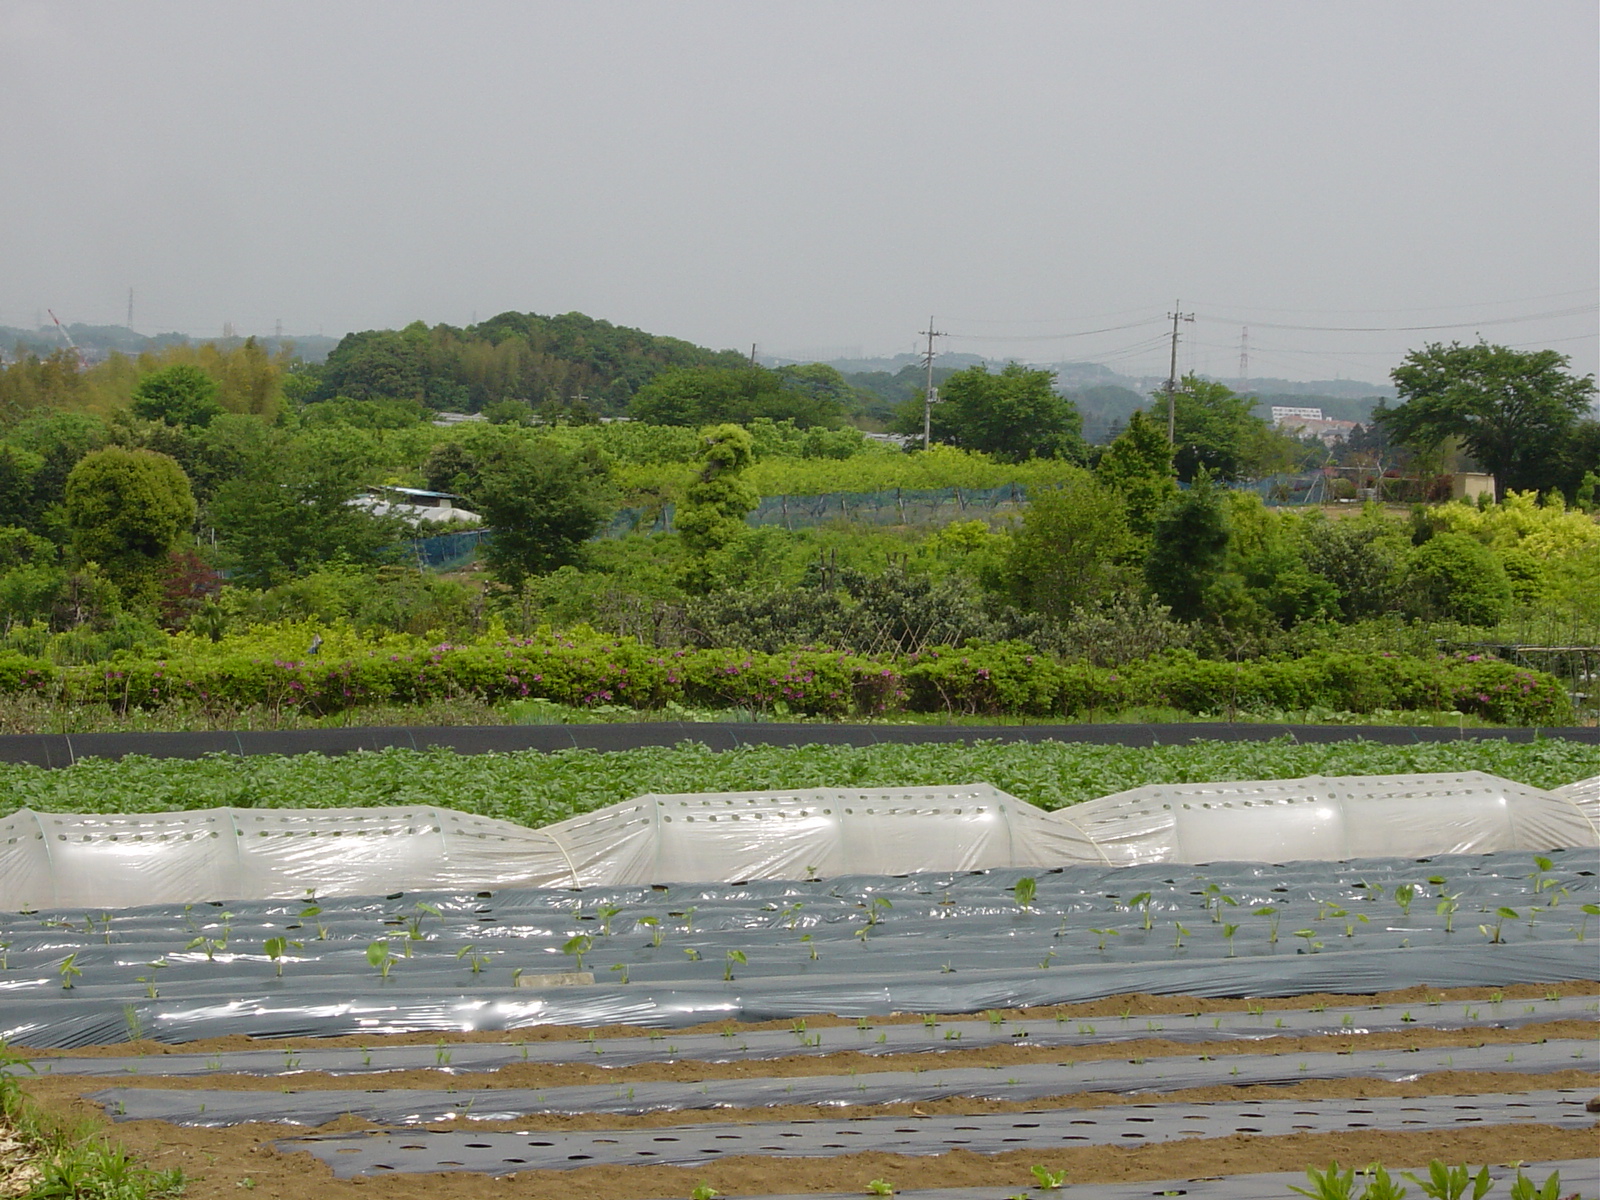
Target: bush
{"x": 1452, "y": 577}
{"x": 581, "y": 668}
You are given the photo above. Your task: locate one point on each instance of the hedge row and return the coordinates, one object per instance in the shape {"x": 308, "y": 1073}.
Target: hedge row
{"x": 997, "y": 678}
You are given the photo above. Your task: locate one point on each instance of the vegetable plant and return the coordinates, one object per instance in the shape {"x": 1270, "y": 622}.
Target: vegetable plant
{"x": 1047, "y": 1178}
{"x": 734, "y": 956}
{"x": 379, "y": 957}
{"x": 1024, "y": 890}
{"x": 1142, "y": 902}
{"x": 277, "y": 949}
{"x": 578, "y": 945}
{"x": 1404, "y": 894}
{"x": 1329, "y": 1184}
{"x": 1273, "y": 916}
{"x": 69, "y": 970}
{"x": 1450, "y": 1183}
{"x": 1103, "y": 934}
{"x": 1588, "y": 910}
{"x": 1492, "y": 932}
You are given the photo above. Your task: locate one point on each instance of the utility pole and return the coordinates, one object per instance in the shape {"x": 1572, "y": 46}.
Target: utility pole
{"x": 1176, "y": 315}
{"x": 752, "y": 354}
{"x": 1244, "y": 359}
{"x": 928, "y": 395}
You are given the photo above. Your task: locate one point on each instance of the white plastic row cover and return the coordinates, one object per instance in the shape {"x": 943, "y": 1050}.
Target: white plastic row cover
{"x": 61, "y": 860}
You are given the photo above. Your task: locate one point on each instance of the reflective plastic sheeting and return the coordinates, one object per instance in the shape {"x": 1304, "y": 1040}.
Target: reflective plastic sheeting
{"x": 1330, "y": 819}
{"x": 1586, "y": 795}
{"x": 54, "y": 860}
{"x": 59, "y": 860}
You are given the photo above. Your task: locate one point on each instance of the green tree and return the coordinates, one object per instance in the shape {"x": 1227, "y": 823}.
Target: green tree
{"x": 710, "y": 521}
{"x": 127, "y": 510}
{"x": 542, "y": 504}
{"x": 1138, "y": 466}
{"x": 1071, "y": 550}
{"x": 288, "y": 507}
{"x": 1513, "y": 410}
{"x": 1014, "y": 415}
{"x": 716, "y": 395}
{"x": 181, "y": 394}
{"x": 1217, "y": 432}
{"x": 1189, "y": 549}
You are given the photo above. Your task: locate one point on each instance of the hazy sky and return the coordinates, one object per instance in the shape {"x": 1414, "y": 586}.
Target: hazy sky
{"x": 816, "y": 177}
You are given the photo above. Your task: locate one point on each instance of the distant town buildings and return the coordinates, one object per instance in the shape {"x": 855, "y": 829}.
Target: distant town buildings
{"x": 1309, "y": 422}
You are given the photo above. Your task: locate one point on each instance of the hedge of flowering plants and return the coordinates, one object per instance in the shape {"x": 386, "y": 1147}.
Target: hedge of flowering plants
{"x": 584, "y": 669}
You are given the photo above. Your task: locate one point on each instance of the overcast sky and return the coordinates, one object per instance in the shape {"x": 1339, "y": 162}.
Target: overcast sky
{"x": 817, "y": 178}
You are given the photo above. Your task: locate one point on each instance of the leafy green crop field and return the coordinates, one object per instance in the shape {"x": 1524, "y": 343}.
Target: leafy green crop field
{"x": 535, "y": 789}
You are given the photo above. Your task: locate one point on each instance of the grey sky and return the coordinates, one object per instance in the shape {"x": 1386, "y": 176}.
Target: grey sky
{"x": 815, "y": 177}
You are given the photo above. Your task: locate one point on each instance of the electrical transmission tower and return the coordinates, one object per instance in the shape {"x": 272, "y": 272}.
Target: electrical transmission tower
{"x": 929, "y": 396}
{"x": 1174, "y": 316}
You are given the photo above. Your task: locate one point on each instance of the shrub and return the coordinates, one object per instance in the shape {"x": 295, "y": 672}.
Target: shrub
{"x": 1453, "y": 577}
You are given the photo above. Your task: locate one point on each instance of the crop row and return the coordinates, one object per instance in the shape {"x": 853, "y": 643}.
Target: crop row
{"x": 535, "y": 788}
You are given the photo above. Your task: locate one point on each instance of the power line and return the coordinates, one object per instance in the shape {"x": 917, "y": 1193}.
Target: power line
{"x": 1048, "y": 337}
{"x": 1544, "y": 316}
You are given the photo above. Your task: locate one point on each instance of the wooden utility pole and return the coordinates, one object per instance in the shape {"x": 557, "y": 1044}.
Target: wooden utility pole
{"x": 928, "y": 395}
{"x": 1172, "y": 374}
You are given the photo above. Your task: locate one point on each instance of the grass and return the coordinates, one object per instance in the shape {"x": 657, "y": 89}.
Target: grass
{"x": 73, "y": 1157}
{"x": 534, "y": 788}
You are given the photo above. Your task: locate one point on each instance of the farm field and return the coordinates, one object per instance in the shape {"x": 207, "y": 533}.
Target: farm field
{"x": 1154, "y": 1025}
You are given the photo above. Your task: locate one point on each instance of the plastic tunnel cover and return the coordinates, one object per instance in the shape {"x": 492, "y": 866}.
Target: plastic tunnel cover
{"x": 61, "y": 860}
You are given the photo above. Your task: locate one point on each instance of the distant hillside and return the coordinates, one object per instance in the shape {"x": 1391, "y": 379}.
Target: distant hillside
{"x": 98, "y": 342}
{"x": 525, "y": 358}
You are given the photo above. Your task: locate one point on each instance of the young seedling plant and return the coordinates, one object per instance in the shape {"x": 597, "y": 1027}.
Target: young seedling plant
{"x": 578, "y": 945}
{"x": 1024, "y": 890}
{"x": 277, "y": 949}
{"x": 1215, "y": 899}
{"x": 1048, "y": 1179}
{"x": 1492, "y": 932}
{"x": 1142, "y": 902}
{"x": 1273, "y": 916}
{"x": 1228, "y": 931}
{"x": 69, "y": 970}
{"x": 734, "y": 956}
{"x": 379, "y": 957}
{"x": 1450, "y": 1183}
{"x": 1588, "y": 910}
{"x": 654, "y": 925}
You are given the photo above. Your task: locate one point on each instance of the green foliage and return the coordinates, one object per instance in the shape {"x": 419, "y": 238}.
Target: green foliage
{"x": 543, "y": 504}
{"x": 1453, "y": 577}
{"x": 288, "y": 510}
{"x": 1514, "y": 411}
{"x": 1138, "y": 466}
{"x": 711, "y": 517}
{"x": 1014, "y": 415}
{"x": 1071, "y": 551}
{"x": 712, "y": 395}
{"x": 1189, "y": 549}
{"x": 181, "y": 394}
{"x": 128, "y": 510}
{"x": 535, "y": 788}
{"x": 1217, "y": 432}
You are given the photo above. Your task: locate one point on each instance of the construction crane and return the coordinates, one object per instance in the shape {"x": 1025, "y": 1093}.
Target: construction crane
{"x": 83, "y": 359}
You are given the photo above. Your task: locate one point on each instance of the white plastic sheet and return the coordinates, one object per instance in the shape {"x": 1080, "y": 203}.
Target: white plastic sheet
{"x": 60, "y": 860}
